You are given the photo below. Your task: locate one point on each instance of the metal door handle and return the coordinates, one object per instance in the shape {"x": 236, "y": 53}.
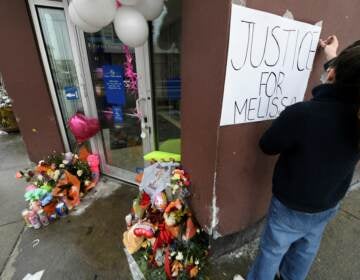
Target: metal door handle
{"x": 139, "y": 109}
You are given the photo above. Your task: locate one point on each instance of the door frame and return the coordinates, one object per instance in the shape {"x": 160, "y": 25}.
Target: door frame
{"x": 142, "y": 59}
{"x": 80, "y": 57}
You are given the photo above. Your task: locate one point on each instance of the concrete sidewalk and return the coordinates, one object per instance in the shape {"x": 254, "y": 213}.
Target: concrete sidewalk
{"x": 338, "y": 258}
{"x": 88, "y": 244}
{"x": 12, "y": 157}
{"x": 85, "y": 246}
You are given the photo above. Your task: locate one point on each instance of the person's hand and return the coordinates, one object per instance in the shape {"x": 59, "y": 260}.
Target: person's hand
{"x": 330, "y": 46}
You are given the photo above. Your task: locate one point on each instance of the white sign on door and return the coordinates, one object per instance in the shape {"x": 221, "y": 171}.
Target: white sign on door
{"x": 268, "y": 66}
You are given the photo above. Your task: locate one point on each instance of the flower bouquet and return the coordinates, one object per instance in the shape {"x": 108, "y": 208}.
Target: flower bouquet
{"x": 162, "y": 233}
{"x": 57, "y": 184}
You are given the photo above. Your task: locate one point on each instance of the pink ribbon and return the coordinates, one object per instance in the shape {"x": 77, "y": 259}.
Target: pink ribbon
{"x": 130, "y": 74}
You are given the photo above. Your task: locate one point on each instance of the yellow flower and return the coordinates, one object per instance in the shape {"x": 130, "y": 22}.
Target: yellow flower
{"x": 50, "y": 173}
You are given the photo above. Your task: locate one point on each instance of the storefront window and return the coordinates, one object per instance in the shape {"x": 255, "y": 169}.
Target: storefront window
{"x": 165, "y": 49}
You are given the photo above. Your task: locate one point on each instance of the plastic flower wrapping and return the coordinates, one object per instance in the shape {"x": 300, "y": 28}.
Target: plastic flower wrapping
{"x": 162, "y": 233}
{"x": 7, "y": 117}
{"x": 57, "y": 184}
{"x": 5, "y": 100}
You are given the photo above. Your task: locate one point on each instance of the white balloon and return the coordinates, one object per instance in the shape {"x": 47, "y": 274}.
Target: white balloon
{"x": 129, "y": 2}
{"x": 151, "y": 9}
{"x": 131, "y": 27}
{"x": 97, "y": 13}
{"x": 75, "y": 19}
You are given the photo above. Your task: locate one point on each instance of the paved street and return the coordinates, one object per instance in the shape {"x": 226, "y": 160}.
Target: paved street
{"x": 87, "y": 245}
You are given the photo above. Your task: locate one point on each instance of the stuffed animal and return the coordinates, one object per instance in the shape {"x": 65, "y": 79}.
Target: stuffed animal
{"x": 132, "y": 242}
{"x": 94, "y": 163}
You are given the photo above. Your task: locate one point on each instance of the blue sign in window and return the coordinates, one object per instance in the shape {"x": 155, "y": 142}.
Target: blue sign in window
{"x": 117, "y": 115}
{"x": 114, "y": 84}
{"x": 71, "y": 92}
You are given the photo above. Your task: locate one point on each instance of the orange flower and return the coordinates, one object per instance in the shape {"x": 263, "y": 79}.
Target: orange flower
{"x": 190, "y": 229}
{"x": 194, "y": 272}
{"x": 139, "y": 177}
{"x": 174, "y": 205}
{"x": 176, "y": 268}
{"x": 83, "y": 153}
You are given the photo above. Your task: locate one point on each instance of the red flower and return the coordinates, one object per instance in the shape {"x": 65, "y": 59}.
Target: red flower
{"x": 187, "y": 183}
{"x": 164, "y": 237}
{"x": 145, "y": 200}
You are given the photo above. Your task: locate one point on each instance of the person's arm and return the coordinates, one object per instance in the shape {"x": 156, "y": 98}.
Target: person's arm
{"x": 281, "y": 135}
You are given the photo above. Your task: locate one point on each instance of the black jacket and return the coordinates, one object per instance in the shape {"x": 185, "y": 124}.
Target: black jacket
{"x": 318, "y": 145}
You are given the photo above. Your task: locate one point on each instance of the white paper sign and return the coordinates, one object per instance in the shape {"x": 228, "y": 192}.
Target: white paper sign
{"x": 268, "y": 66}
{"x": 156, "y": 178}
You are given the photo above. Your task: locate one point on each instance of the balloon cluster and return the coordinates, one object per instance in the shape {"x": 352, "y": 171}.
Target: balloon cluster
{"x": 129, "y": 17}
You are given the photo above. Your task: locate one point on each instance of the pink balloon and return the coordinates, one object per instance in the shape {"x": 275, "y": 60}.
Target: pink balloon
{"x": 83, "y": 127}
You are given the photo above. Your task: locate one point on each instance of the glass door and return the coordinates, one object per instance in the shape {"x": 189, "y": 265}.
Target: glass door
{"x": 124, "y": 113}
{"x": 56, "y": 50}
{"x": 166, "y": 76}
{"x": 86, "y": 72}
